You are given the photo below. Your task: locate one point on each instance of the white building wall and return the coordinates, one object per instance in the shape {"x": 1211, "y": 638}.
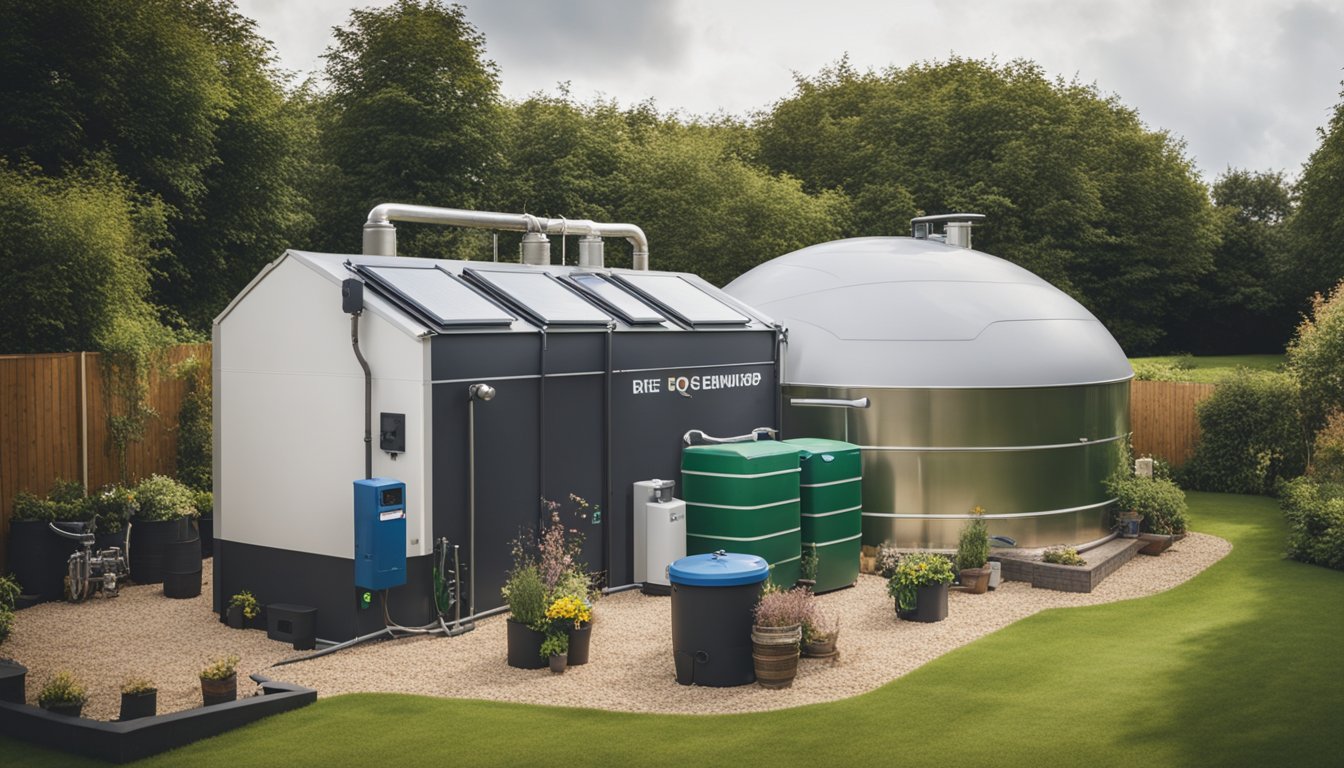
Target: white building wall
{"x": 290, "y": 421}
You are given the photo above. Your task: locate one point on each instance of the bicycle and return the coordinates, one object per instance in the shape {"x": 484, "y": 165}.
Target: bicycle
{"x": 88, "y": 571}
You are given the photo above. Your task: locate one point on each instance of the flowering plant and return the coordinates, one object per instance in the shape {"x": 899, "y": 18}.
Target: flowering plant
{"x": 915, "y": 570}
{"x": 784, "y": 608}
{"x": 549, "y": 573}
{"x": 568, "y": 610}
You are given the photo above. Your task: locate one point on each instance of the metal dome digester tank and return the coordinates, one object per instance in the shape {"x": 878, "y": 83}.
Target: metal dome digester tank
{"x": 965, "y": 379}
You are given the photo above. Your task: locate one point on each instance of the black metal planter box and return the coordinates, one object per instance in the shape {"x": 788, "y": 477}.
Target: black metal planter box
{"x": 122, "y": 742}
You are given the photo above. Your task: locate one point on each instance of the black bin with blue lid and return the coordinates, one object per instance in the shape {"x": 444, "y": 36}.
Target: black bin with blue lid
{"x": 713, "y": 596}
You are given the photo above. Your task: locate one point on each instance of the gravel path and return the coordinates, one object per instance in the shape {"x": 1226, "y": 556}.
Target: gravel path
{"x": 141, "y": 633}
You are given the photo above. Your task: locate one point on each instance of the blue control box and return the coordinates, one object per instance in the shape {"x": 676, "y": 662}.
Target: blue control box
{"x": 380, "y": 533}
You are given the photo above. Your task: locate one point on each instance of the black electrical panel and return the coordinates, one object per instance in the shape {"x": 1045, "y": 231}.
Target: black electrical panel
{"x": 392, "y": 432}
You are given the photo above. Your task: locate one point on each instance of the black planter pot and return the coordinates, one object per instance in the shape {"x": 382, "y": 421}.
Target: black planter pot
{"x": 136, "y": 705}
{"x": 205, "y": 528}
{"x": 37, "y": 558}
{"x": 234, "y": 617}
{"x": 525, "y": 646}
{"x": 930, "y": 604}
{"x": 13, "y": 681}
{"x": 149, "y": 545}
{"x": 182, "y": 569}
{"x": 71, "y": 710}
{"x": 117, "y": 539}
{"x": 579, "y": 640}
{"x": 219, "y": 691}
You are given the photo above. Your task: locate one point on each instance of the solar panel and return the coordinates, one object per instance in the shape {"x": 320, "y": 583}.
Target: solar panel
{"x": 625, "y": 304}
{"x": 683, "y": 299}
{"x": 439, "y": 296}
{"x": 542, "y": 297}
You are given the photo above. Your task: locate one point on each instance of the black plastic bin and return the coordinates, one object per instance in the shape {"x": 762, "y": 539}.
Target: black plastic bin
{"x": 295, "y": 624}
{"x": 182, "y": 569}
{"x": 713, "y": 596}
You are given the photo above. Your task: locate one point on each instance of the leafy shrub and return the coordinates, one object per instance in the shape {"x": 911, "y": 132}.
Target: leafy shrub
{"x": 807, "y": 564}
{"x": 1316, "y": 358}
{"x": 1156, "y": 370}
{"x": 554, "y": 644}
{"x": 28, "y": 507}
{"x": 1162, "y": 469}
{"x": 915, "y": 570}
{"x": 784, "y": 607}
{"x": 526, "y": 595}
{"x": 1251, "y": 437}
{"x": 1327, "y": 456}
{"x": 136, "y": 686}
{"x": 65, "y": 502}
{"x": 247, "y": 602}
{"x": 204, "y": 502}
{"x": 9, "y": 591}
{"x": 1315, "y": 514}
{"x": 163, "y": 498}
{"x": 1161, "y": 502}
{"x": 6, "y": 624}
{"x": 973, "y": 546}
{"x": 62, "y": 688}
{"x": 1062, "y": 556}
{"x": 1183, "y": 362}
{"x": 195, "y": 430}
{"x": 114, "y": 505}
{"x": 221, "y": 668}
{"x": 66, "y": 492}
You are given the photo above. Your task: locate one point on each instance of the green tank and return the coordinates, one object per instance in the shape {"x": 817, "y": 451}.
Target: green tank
{"x": 831, "y": 484}
{"x": 743, "y": 497}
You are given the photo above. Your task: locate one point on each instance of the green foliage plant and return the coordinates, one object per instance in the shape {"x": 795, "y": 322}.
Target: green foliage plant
{"x": 6, "y": 624}
{"x": 114, "y": 505}
{"x": 915, "y": 570}
{"x": 1327, "y": 456}
{"x": 1315, "y": 515}
{"x": 132, "y": 352}
{"x": 1316, "y": 358}
{"x": 137, "y": 686}
{"x": 554, "y": 644}
{"x": 1161, "y": 503}
{"x": 247, "y": 602}
{"x": 973, "y": 545}
{"x": 204, "y": 503}
{"x": 195, "y": 430}
{"x": 65, "y": 502}
{"x": 526, "y": 595}
{"x": 9, "y": 596}
{"x": 62, "y": 688}
{"x": 221, "y": 668}
{"x": 1251, "y": 435}
{"x": 807, "y": 564}
{"x": 163, "y": 498}
{"x": 1062, "y": 556}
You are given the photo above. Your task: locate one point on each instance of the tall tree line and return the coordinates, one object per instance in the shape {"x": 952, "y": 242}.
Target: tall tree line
{"x": 155, "y": 142}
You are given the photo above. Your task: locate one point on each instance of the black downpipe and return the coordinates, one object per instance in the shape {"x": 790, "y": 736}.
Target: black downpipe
{"x": 780, "y": 340}
{"x": 609, "y": 501}
{"x": 541, "y": 431}
{"x": 368, "y": 396}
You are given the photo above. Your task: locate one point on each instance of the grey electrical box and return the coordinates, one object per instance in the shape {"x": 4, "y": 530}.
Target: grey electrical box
{"x": 660, "y": 534}
{"x": 392, "y": 432}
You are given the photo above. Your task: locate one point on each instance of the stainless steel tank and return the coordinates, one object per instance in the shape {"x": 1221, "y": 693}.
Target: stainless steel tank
{"x": 965, "y": 379}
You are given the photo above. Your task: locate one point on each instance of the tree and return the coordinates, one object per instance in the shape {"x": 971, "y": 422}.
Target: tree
{"x": 1316, "y": 230}
{"x": 75, "y": 260}
{"x": 1075, "y": 188}
{"x": 412, "y": 116}
{"x": 1316, "y": 358}
{"x": 1242, "y": 304}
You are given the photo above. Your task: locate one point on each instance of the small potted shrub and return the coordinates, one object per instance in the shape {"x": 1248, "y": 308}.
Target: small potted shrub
{"x": 821, "y": 630}
{"x": 919, "y": 585}
{"x": 165, "y": 507}
{"x": 219, "y": 680}
{"x": 973, "y": 554}
{"x": 63, "y": 695}
{"x": 554, "y": 648}
{"x": 886, "y": 559}
{"x": 1157, "y": 502}
{"x": 36, "y": 555}
{"x": 526, "y": 596}
{"x": 139, "y": 698}
{"x": 242, "y": 610}
{"x": 777, "y": 633}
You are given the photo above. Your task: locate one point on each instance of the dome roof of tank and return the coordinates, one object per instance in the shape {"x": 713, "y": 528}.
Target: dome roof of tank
{"x": 900, "y": 312}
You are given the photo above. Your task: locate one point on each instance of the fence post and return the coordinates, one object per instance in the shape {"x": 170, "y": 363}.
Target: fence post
{"x": 83, "y": 423}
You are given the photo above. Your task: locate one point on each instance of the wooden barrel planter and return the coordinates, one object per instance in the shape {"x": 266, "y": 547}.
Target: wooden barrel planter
{"x": 774, "y": 653}
{"x": 182, "y": 569}
{"x": 149, "y": 545}
{"x": 219, "y": 691}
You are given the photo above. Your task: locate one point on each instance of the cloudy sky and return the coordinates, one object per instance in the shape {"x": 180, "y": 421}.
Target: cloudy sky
{"x": 1246, "y": 83}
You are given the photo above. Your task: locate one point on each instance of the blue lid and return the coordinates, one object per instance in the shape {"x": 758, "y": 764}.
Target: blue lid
{"x": 720, "y": 569}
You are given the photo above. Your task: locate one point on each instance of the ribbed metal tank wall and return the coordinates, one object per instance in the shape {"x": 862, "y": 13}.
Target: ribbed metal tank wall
{"x": 964, "y": 379}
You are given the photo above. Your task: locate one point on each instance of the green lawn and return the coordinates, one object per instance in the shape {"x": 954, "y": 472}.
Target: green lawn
{"x": 1242, "y": 665}
{"x": 1210, "y": 369}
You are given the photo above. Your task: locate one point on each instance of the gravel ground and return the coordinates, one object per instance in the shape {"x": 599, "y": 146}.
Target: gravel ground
{"x": 142, "y": 633}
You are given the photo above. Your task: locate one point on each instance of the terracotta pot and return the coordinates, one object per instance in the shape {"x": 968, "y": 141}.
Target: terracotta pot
{"x": 558, "y": 662}
{"x": 975, "y": 580}
{"x": 219, "y": 691}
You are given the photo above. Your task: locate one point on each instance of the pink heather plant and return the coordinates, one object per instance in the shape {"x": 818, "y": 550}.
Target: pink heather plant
{"x": 785, "y": 608}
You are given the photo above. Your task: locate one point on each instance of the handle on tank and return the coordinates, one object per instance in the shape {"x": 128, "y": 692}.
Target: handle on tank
{"x": 826, "y": 402}
{"x": 698, "y": 437}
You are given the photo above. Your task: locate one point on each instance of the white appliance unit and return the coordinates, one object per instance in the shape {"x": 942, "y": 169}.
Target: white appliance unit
{"x": 660, "y": 534}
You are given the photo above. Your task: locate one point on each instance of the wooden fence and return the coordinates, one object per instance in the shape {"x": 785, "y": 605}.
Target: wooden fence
{"x": 1162, "y": 416}
{"x": 53, "y": 425}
